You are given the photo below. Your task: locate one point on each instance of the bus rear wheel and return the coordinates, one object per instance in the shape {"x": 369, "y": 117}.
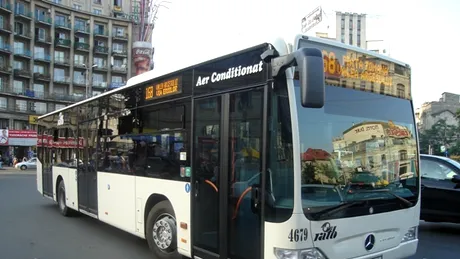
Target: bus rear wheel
{"x": 62, "y": 200}
{"x": 161, "y": 231}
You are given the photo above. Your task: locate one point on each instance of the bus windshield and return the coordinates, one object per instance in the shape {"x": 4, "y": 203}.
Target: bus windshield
{"x": 360, "y": 146}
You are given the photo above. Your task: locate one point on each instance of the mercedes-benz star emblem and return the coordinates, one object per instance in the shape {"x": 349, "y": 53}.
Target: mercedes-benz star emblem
{"x": 369, "y": 242}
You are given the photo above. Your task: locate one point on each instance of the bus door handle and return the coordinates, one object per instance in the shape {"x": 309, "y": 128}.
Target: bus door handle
{"x": 197, "y": 185}
{"x": 255, "y": 198}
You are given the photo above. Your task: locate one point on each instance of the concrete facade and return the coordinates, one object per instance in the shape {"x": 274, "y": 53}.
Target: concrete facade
{"x": 351, "y": 29}
{"x": 47, "y": 48}
{"x": 432, "y": 112}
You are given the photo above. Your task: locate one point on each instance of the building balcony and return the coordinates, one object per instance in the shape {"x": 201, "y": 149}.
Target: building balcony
{"x": 120, "y": 36}
{"x": 99, "y": 84}
{"x": 101, "y": 68}
{"x": 22, "y": 73}
{"x": 81, "y": 46}
{"x": 5, "y": 6}
{"x": 62, "y": 43}
{"x": 42, "y": 77}
{"x": 79, "y": 81}
{"x": 62, "y": 61}
{"x": 114, "y": 85}
{"x": 23, "y": 13}
{"x": 5, "y": 48}
{"x": 101, "y": 50}
{"x": 122, "y": 70}
{"x": 81, "y": 29}
{"x": 44, "y": 20}
{"x": 120, "y": 52}
{"x": 25, "y": 53}
{"x": 42, "y": 39}
{"x": 23, "y": 34}
{"x": 42, "y": 57}
{"x": 6, "y": 28}
{"x": 61, "y": 80}
{"x": 5, "y": 68}
{"x": 62, "y": 25}
{"x": 101, "y": 33}
{"x": 67, "y": 98}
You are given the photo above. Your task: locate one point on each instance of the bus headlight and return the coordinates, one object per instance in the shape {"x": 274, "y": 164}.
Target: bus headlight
{"x": 311, "y": 253}
{"x": 411, "y": 234}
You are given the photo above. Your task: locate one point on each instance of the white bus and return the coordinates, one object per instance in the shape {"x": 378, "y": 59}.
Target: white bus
{"x": 277, "y": 151}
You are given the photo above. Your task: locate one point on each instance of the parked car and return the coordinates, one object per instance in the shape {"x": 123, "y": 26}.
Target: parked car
{"x": 440, "y": 189}
{"x": 30, "y": 164}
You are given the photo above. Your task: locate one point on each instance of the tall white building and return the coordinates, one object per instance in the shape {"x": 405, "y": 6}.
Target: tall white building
{"x": 351, "y": 29}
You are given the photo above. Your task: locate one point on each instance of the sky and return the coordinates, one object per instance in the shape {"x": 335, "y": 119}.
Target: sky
{"x": 421, "y": 33}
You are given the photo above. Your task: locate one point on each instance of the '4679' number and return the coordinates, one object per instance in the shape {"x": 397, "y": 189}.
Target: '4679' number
{"x": 296, "y": 235}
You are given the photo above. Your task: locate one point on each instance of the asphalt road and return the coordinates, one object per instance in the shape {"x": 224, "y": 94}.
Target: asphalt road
{"x": 32, "y": 228}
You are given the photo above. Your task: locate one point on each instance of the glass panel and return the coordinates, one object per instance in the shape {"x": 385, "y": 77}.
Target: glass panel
{"x": 358, "y": 143}
{"x": 206, "y": 170}
{"x": 245, "y": 146}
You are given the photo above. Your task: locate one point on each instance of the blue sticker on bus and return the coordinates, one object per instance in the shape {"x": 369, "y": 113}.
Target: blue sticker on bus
{"x": 187, "y": 187}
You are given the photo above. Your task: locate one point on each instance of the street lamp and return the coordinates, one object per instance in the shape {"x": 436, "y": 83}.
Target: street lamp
{"x": 88, "y": 90}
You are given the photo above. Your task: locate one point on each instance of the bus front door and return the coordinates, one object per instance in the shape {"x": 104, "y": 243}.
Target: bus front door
{"x": 227, "y": 147}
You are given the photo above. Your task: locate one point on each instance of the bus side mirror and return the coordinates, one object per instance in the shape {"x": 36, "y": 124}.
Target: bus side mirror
{"x": 310, "y": 65}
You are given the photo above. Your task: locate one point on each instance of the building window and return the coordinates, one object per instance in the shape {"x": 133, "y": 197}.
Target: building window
{"x": 19, "y": 47}
{"x": 3, "y": 103}
{"x": 97, "y": 1}
{"x": 40, "y": 108}
{"x": 4, "y": 123}
{"x": 21, "y": 125}
{"x": 39, "y": 52}
{"x": 359, "y": 24}
{"x": 80, "y": 24}
{"x": 98, "y": 79}
{"x": 100, "y": 62}
{"x": 78, "y": 78}
{"x": 21, "y": 106}
{"x": 19, "y": 28}
{"x": 351, "y": 39}
{"x": 59, "y": 56}
{"x": 117, "y": 79}
{"x": 99, "y": 28}
{"x": 59, "y": 74}
{"x": 118, "y": 31}
{"x": 59, "y": 106}
{"x": 39, "y": 69}
{"x": 97, "y": 11}
{"x": 18, "y": 65}
{"x": 76, "y": 6}
{"x": 18, "y": 87}
{"x": 39, "y": 90}
{"x": 118, "y": 47}
{"x": 79, "y": 59}
{"x": 60, "y": 20}
{"x": 401, "y": 91}
{"x": 41, "y": 34}
{"x": 117, "y": 3}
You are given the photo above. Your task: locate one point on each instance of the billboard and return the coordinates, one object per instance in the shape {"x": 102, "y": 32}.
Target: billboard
{"x": 142, "y": 56}
{"x": 312, "y": 19}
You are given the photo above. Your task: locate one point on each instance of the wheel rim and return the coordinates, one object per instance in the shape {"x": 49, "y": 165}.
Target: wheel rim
{"x": 61, "y": 199}
{"x": 163, "y": 231}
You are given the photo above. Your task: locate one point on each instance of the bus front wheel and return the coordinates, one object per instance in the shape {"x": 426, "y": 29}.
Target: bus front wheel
{"x": 161, "y": 231}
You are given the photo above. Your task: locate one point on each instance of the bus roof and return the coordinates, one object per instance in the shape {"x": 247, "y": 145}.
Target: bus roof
{"x": 151, "y": 75}
{"x": 345, "y": 46}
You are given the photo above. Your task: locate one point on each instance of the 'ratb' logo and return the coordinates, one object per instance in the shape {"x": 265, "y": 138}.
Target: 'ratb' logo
{"x": 329, "y": 232}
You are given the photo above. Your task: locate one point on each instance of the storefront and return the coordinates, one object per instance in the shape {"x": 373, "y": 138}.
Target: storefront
{"x": 17, "y": 143}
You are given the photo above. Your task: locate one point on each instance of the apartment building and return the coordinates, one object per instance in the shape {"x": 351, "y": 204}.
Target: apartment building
{"x": 54, "y": 53}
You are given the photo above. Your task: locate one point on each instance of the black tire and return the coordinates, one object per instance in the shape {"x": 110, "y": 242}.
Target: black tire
{"x": 61, "y": 199}
{"x": 23, "y": 167}
{"x": 161, "y": 218}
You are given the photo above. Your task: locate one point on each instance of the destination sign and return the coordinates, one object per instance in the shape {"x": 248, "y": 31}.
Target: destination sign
{"x": 358, "y": 70}
{"x": 163, "y": 89}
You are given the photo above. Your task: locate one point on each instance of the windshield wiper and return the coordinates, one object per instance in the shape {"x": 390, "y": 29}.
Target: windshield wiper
{"x": 405, "y": 202}
{"x": 331, "y": 210}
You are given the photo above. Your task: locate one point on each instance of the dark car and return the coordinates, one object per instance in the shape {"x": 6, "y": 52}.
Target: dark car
{"x": 440, "y": 189}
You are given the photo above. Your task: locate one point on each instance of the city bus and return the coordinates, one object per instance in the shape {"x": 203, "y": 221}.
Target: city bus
{"x": 278, "y": 151}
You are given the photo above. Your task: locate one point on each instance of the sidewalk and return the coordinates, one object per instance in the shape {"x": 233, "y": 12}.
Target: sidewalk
{"x": 10, "y": 170}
